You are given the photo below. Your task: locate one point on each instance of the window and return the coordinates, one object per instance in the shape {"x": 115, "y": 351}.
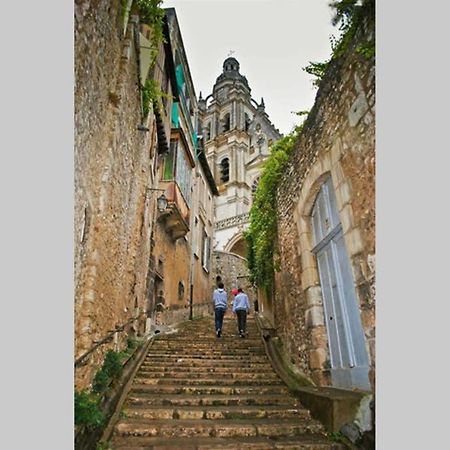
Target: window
{"x": 205, "y": 254}
{"x": 180, "y": 290}
{"x": 208, "y": 132}
{"x": 183, "y": 174}
{"x": 246, "y": 122}
{"x": 169, "y": 160}
{"x": 225, "y": 170}
{"x": 176, "y": 166}
{"x": 226, "y": 122}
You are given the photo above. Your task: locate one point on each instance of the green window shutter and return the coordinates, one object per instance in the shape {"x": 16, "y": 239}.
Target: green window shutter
{"x": 179, "y": 76}
{"x": 175, "y": 115}
{"x": 169, "y": 160}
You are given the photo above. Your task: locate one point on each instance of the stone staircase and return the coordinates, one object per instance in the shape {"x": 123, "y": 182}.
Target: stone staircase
{"x": 197, "y": 391}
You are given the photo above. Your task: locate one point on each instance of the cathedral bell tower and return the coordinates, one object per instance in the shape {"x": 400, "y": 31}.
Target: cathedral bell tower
{"x": 237, "y": 134}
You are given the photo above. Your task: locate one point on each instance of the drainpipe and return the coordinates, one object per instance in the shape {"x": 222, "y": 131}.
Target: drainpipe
{"x": 193, "y": 242}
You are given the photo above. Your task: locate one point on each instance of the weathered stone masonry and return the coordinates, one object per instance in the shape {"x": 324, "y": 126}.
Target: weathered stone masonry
{"x": 112, "y": 172}
{"x": 338, "y": 139}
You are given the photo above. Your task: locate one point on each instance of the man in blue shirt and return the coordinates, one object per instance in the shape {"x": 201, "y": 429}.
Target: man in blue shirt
{"x": 220, "y": 306}
{"x": 241, "y": 306}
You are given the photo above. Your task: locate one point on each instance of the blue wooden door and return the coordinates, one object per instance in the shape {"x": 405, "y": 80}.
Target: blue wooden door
{"x": 348, "y": 355}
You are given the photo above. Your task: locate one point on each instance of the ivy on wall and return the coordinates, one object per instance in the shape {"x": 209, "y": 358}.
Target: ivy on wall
{"x": 151, "y": 14}
{"x": 262, "y": 232}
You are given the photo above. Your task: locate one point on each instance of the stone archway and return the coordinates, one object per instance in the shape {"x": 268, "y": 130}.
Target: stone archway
{"x": 237, "y": 245}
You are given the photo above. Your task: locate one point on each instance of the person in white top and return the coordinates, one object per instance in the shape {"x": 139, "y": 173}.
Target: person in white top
{"x": 241, "y": 307}
{"x": 220, "y": 306}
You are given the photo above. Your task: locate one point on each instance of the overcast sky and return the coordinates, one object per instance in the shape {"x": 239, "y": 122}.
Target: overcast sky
{"x": 272, "y": 40}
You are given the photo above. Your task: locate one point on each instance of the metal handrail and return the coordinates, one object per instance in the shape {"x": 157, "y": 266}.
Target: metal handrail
{"x": 107, "y": 338}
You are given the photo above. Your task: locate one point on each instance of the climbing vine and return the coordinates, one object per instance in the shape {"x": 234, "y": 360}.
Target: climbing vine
{"x": 150, "y": 93}
{"x": 348, "y": 15}
{"x": 261, "y": 234}
{"x": 151, "y": 14}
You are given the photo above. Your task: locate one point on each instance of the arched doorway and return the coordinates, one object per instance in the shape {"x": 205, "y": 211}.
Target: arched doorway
{"x": 348, "y": 355}
{"x": 237, "y": 245}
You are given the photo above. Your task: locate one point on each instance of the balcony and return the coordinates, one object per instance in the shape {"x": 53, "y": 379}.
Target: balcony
{"x": 175, "y": 218}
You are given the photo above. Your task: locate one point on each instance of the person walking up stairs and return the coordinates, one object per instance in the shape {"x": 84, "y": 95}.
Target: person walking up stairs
{"x": 194, "y": 391}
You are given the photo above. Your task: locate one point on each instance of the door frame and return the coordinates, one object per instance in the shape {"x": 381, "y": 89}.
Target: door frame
{"x": 325, "y": 166}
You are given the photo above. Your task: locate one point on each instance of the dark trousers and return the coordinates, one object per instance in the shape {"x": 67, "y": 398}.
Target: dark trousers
{"x": 242, "y": 320}
{"x": 218, "y": 317}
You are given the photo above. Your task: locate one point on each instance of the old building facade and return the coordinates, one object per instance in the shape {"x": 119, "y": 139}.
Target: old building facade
{"x": 323, "y": 305}
{"x": 182, "y": 250}
{"x": 113, "y": 170}
{"x": 136, "y": 262}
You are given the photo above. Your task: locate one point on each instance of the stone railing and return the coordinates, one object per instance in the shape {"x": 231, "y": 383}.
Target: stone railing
{"x": 232, "y": 221}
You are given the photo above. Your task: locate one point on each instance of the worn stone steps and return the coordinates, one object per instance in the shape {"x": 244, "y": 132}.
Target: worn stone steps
{"x": 203, "y": 351}
{"x": 215, "y": 412}
{"x": 196, "y": 391}
{"x": 212, "y": 369}
{"x": 204, "y": 381}
{"x": 206, "y": 373}
{"x": 309, "y": 442}
{"x": 217, "y": 428}
{"x": 209, "y": 390}
{"x": 210, "y": 400}
{"x": 218, "y": 366}
{"x": 170, "y": 358}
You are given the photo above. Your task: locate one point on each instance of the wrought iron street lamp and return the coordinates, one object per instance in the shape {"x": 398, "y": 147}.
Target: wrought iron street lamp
{"x": 161, "y": 201}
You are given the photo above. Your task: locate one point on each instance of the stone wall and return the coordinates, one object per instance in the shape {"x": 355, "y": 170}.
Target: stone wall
{"x": 338, "y": 139}
{"x": 233, "y": 272}
{"x": 113, "y": 163}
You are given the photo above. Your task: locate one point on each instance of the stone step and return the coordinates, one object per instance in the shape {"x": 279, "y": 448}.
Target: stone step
{"x": 186, "y": 381}
{"x": 252, "y": 335}
{"x": 187, "y": 369}
{"x": 234, "y": 351}
{"x": 171, "y": 357}
{"x": 216, "y": 366}
{"x": 207, "y": 355}
{"x": 227, "y": 339}
{"x": 309, "y": 442}
{"x": 217, "y": 428}
{"x": 210, "y": 400}
{"x": 251, "y": 338}
{"x": 215, "y": 412}
{"x": 137, "y": 388}
{"x": 206, "y": 374}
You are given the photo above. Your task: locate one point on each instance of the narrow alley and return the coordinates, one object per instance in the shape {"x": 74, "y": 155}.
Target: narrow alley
{"x": 179, "y": 192}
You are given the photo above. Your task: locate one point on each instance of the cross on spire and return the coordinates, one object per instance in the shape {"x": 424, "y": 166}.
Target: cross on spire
{"x": 231, "y": 53}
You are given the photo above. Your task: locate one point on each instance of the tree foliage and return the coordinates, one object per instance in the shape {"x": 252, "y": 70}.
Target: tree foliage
{"x": 87, "y": 410}
{"x": 347, "y": 16}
